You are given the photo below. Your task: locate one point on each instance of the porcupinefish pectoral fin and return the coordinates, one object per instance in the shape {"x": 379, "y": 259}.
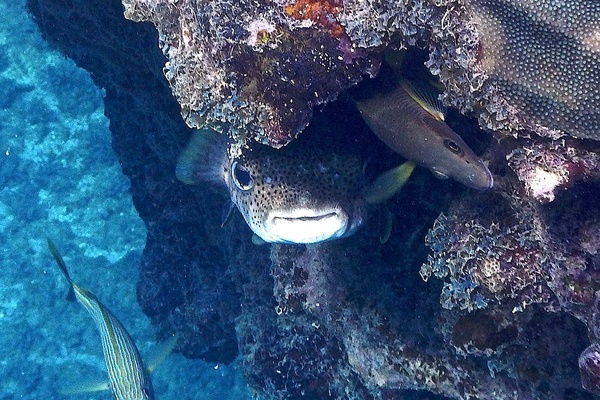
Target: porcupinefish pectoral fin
{"x": 389, "y": 183}
{"x": 203, "y": 158}
{"x": 257, "y": 240}
{"x": 227, "y": 212}
{"x": 426, "y": 97}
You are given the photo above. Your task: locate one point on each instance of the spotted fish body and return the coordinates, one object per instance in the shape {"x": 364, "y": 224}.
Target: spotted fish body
{"x": 128, "y": 379}
{"x": 298, "y": 194}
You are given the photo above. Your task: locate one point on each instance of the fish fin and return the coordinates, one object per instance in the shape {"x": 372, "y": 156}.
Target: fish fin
{"x": 257, "y": 240}
{"x": 227, "y": 213}
{"x": 425, "y": 96}
{"x": 71, "y": 294}
{"x": 86, "y": 386}
{"x": 386, "y": 222}
{"x": 202, "y": 159}
{"x": 63, "y": 268}
{"x": 389, "y": 183}
{"x": 161, "y": 352}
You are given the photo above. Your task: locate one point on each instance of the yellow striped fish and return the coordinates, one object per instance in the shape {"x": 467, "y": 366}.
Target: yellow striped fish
{"x": 128, "y": 379}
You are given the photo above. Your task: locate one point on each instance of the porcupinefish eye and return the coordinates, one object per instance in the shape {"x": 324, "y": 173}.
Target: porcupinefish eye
{"x": 452, "y": 146}
{"x": 241, "y": 177}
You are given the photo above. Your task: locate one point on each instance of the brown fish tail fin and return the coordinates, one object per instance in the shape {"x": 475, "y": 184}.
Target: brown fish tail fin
{"x": 63, "y": 268}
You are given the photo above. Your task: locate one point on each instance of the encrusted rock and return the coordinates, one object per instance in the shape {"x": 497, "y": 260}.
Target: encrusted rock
{"x": 255, "y": 69}
{"x": 258, "y": 69}
{"x": 589, "y": 365}
{"x": 546, "y": 166}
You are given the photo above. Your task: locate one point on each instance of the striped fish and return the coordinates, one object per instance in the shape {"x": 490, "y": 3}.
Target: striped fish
{"x": 128, "y": 379}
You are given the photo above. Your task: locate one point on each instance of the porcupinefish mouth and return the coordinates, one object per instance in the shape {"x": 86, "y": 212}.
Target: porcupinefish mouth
{"x": 305, "y": 225}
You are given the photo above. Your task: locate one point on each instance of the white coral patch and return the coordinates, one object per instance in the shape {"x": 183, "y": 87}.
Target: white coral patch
{"x": 543, "y": 183}
{"x": 258, "y": 28}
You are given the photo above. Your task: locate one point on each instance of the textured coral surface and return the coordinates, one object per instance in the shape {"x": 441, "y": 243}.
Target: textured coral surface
{"x": 254, "y": 68}
{"x": 258, "y": 68}
{"x": 544, "y": 58}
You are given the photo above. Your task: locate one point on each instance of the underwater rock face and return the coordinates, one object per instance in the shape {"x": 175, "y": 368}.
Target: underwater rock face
{"x": 547, "y": 166}
{"x": 518, "y": 252}
{"x": 256, "y": 69}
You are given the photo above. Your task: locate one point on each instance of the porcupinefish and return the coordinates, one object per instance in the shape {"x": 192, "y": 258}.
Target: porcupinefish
{"x": 298, "y": 194}
{"x": 128, "y": 379}
{"x": 410, "y": 120}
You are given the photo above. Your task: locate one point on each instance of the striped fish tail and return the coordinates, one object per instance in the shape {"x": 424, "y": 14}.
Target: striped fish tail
{"x": 63, "y": 267}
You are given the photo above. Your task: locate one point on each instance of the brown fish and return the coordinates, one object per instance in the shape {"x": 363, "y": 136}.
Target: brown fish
{"x": 410, "y": 120}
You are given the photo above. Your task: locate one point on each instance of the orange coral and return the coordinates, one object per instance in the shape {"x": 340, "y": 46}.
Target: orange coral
{"x": 322, "y": 13}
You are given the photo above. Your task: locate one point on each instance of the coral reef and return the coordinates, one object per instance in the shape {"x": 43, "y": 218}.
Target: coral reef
{"x": 519, "y": 253}
{"x": 257, "y": 69}
{"x": 254, "y": 69}
{"x": 516, "y": 266}
{"x": 503, "y": 248}
{"x": 547, "y": 166}
{"x": 543, "y": 58}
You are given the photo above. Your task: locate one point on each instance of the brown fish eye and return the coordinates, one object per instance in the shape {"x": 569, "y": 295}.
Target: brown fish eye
{"x": 241, "y": 177}
{"x": 452, "y": 146}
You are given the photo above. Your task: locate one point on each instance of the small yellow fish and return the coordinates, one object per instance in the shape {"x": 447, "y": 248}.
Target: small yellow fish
{"x": 128, "y": 379}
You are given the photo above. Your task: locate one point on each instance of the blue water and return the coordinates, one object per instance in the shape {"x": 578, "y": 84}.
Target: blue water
{"x": 59, "y": 178}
